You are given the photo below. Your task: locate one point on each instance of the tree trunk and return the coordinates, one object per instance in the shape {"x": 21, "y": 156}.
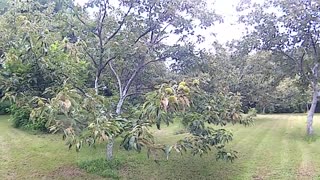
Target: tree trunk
{"x": 109, "y": 149}
{"x": 96, "y": 85}
{"x": 109, "y": 146}
{"x": 119, "y": 105}
{"x": 312, "y": 110}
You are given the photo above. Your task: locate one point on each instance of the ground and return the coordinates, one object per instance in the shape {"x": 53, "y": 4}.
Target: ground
{"x": 274, "y": 148}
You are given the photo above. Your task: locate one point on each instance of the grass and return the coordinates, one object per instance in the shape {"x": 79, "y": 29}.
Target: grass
{"x": 274, "y": 148}
{"x": 107, "y": 169}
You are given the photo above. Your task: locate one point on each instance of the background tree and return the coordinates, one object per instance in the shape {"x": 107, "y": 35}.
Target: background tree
{"x": 37, "y": 61}
{"x": 290, "y": 30}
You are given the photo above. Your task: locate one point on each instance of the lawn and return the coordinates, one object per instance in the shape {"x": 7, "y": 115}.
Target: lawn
{"x": 274, "y": 148}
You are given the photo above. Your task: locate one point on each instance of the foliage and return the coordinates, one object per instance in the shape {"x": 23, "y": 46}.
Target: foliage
{"x": 56, "y": 57}
{"x": 263, "y": 83}
{"x": 88, "y": 121}
{"x": 129, "y": 39}
{"x": 20, "y": 116}
{"x": 290, "y": 30}
{"x": 4, "y": 107}
{"x": 102, "y": 167}
{"x": 253, "y": 112}
{"x": 196, "y": 108}
{"x": 53, "y": 51}
{"x": 86, "y": 118}
{"x": 36, "y": 62}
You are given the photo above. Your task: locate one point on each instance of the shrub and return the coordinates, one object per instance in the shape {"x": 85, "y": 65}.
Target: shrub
{"x": 37, "y": 125}
{"x": 253, "y": 112}
{"x": 102, "y": 167}
{"x": 20, "y": 115}
{"x": 4, "y": 107}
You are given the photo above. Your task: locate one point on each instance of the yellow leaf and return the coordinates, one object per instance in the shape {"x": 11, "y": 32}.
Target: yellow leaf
{"x": 103, "y": 135}
{"x": 165, "y": 103}
{"x": 186, "y": 101}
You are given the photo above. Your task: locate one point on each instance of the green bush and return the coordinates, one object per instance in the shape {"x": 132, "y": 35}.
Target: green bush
{"x": 253, "y": 112}
{"x": 20, "y": 116}
{"x": 4, "y": 107}
{"x": 38, "y": 125}
{"x": 102, "y": 167}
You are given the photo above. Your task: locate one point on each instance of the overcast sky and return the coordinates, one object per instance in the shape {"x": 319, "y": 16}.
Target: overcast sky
{"x": 229, "y": 29}
{"x": 226, "y": 31}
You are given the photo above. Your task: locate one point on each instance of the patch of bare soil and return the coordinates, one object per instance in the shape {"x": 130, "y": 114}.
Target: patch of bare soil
{"x": 125, "y": 171}
{"x": 259, "y": 177}
{"x": 306, "y": 171}
{"x": 67, "y": 172}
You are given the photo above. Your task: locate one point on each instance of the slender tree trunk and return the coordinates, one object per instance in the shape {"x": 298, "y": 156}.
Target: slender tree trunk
{"x": 312, "y": 110}
{"x": 314, "y": 101}
{"x": 109, "y": 146}
{"x": 109, "y": 149}
{"x": 96, "y": 85}
{"x": 122, "y": 95}
{"x": 119, "y": 105}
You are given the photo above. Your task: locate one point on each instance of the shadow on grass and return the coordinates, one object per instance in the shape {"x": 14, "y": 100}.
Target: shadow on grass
{"x": 311, "y": 138}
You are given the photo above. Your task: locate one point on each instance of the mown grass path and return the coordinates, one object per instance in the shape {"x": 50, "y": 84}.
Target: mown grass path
{"x": 274, "y": 148}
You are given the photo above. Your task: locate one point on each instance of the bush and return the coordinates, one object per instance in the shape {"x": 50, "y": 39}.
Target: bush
{"x": 102, "y": 167}
{"x": 20, "y": 116}
{"x": 4, "y": 107}
{"x": 38, "y": 125}
{"x": 253, "y": 112}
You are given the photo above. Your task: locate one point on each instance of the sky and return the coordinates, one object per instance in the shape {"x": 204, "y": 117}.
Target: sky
{"x": 230, "y": 29}
{"x": 226, "y": 31}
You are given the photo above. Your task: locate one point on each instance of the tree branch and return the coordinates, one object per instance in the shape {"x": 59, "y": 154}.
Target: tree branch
{"x": 76, "y": 13}
{"x": 100, "y": 29}
{"x": 158, "y": 35}
{"x": 132, "y": 94}
{"x": 299, "y": 63}
{"x": 120, "y": 25}
{"x": 159, "y": 40}
{"x": 91, "y": 57}
{"x": 135, "y": 73}
{"x": 287, "y": 55}
{"x": 314, "y": 47}
{"x": 75, "y": 86}
{"x": 117, "y": 77}
{"x": 143, "y": 34}
{"x": 301, "y": 67}
{"x": 107, "y": 62}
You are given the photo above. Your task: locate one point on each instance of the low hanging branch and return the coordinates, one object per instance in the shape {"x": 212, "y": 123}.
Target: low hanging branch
{"x": 187, "y": 101}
